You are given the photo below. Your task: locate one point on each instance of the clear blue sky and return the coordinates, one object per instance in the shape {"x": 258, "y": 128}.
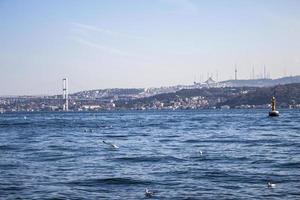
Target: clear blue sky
{"x": 143, "y": 43}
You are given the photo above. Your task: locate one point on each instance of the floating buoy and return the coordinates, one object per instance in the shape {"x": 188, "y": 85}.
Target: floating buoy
{"x": 273, "y": 112}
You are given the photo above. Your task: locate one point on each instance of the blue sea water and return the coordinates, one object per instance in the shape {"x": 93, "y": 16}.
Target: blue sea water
{"x": 62, "y": 156}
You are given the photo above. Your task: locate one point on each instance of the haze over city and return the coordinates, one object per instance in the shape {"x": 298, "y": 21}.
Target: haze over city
{"x": 108, "y": 44}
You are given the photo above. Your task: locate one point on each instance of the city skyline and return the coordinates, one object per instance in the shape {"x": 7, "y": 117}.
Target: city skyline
{"x": 137, "y": 44}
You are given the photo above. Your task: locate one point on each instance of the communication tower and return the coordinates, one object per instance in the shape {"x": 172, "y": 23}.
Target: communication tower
{"x": 235, "y": 73}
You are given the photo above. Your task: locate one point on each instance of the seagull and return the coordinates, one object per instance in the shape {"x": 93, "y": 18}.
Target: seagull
{"x": 200, "y": 152}
{"x": 148, "y": 193}
{"x": 271, "y": 185}
{"x": 111, "y": 144}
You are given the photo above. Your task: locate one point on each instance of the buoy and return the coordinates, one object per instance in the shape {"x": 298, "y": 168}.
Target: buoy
{"x": 273, "y": 112}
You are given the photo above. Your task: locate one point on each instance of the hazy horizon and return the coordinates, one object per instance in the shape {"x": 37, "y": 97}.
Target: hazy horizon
{"x": 89, "y": 89}
{"x": 141, "y": 44}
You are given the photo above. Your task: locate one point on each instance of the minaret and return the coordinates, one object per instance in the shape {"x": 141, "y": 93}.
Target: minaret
{"x": 65, "y": 95}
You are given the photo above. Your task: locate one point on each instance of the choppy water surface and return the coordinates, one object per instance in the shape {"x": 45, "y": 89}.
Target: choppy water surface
{"x": 62, "y": 156}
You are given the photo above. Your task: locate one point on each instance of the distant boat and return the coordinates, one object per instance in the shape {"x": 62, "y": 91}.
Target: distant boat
{"x": 273, "y": 112}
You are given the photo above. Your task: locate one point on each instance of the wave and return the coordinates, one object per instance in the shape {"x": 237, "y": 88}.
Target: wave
{"x": 192, "y": 141}
{"x": 14, "y": 124}
{"x": 8, "y": 147}
{"x": 109, "y": 181}
{"x": 289, "y": 165}
{"x": 149, "y": 159}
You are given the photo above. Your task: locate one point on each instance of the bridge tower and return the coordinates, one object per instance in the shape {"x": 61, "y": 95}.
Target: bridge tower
{"x": 65, "y": 95}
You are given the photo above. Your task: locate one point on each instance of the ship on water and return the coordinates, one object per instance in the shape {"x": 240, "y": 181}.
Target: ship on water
{"x": 273, "y": 112}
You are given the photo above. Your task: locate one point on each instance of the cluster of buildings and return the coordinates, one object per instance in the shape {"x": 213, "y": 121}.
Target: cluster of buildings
{"x": 136, "y": 98}
{"x": 180, "y": 103}
{"x": 26, "y": 104}
{"x": 48, "y": 104}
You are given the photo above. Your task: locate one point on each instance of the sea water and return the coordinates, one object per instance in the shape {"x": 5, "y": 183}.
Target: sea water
{"x": 201, "y": 154}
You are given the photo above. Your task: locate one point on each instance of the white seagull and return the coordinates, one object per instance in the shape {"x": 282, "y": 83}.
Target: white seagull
{"x": 271, "y": 185}
{"x": 111, "y": 144}
{"x": 148, "y": 193}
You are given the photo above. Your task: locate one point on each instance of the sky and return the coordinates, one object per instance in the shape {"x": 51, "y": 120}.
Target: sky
{"x": 143, "y": 43}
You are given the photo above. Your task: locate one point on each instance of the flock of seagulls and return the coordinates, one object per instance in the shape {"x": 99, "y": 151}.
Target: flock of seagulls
{"x": 149, "y": 193}
{"x": 88, "y": 130}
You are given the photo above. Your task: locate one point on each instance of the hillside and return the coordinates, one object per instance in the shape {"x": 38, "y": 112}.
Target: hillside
{"x": 136, "y": 93}
{"x": 261, "y": 82}
{"x": 108, "y": 93}
{"x": 217, "y": 97}
{"x": 285, "y": 94}
{"x": 200, "y": 98}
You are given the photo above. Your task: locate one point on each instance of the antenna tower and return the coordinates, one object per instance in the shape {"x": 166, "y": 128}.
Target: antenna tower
{"x": 235, "y": 73}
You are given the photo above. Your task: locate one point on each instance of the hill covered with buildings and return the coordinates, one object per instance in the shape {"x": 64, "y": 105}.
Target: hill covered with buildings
{"x": 209, "y": 94}
{"x": 288, "y": 96}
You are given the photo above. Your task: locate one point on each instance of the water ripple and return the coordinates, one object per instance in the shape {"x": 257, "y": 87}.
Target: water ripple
{"x": 203, "y": 154}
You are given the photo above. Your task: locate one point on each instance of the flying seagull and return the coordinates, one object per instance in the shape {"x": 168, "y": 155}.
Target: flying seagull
{"x": 148, "y": 193}
{"x": 111, "y": 144}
